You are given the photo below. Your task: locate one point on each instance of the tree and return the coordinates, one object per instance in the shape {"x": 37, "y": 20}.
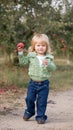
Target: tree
{"x": 20, "y": 19}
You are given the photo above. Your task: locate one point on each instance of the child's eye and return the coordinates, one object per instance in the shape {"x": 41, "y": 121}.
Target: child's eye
{"x": 43, "y": 45}
{"x": 38, "y": 45}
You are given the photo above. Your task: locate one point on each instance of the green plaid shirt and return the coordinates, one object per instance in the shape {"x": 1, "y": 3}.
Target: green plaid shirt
{"x": 37, "y": 72}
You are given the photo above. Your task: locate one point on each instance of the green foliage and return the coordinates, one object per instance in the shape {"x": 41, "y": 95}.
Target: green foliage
{"x": 19, "y": 20}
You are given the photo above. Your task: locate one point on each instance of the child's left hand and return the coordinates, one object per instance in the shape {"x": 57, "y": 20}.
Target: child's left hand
{"x": 45, "y": 62}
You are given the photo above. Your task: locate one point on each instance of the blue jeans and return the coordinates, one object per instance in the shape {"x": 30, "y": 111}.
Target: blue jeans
{"x": 37, "y": 91}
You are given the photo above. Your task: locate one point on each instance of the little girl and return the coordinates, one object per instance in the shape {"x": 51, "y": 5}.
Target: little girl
{"x": 41, "y": 63}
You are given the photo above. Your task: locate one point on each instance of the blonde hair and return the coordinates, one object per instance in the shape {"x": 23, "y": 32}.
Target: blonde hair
{"x": 40, "y": 38}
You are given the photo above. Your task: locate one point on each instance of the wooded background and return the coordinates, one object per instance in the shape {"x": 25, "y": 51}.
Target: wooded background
{"x": 20, "y": 19}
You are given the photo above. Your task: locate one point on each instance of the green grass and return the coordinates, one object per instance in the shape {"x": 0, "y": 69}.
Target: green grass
{"x": 61, "y": 79}
{"x": 13, "y": 76}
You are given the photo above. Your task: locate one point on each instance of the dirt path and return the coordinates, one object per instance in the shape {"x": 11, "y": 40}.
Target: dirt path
{"x": 59, "y": 111}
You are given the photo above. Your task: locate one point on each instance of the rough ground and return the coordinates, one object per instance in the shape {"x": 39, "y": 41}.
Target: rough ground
{"x": 59, "y": 111}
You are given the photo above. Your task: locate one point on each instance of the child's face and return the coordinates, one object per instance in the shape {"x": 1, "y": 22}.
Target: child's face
{"x": 40, "y": 48}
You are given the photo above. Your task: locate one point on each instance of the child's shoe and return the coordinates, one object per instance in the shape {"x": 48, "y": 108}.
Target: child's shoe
{"x": 26, "y": 118}
{"x": 27, "y": 115}
{"x": 40, "y": 121}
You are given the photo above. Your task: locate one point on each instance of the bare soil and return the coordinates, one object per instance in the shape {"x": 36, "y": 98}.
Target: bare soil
{"x": 59, "y": 112}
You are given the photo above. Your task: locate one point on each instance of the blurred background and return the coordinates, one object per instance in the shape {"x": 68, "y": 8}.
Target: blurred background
{"x": 19, "y": 20}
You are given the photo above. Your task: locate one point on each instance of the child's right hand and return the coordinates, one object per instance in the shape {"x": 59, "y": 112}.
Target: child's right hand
{"x": 20, "y": 47}
{"x": 45, "y": 62}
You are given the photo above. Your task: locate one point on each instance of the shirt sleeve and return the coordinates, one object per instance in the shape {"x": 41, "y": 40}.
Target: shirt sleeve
{"x": 23, "y": 59}
{"x": 51, "y": 65}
